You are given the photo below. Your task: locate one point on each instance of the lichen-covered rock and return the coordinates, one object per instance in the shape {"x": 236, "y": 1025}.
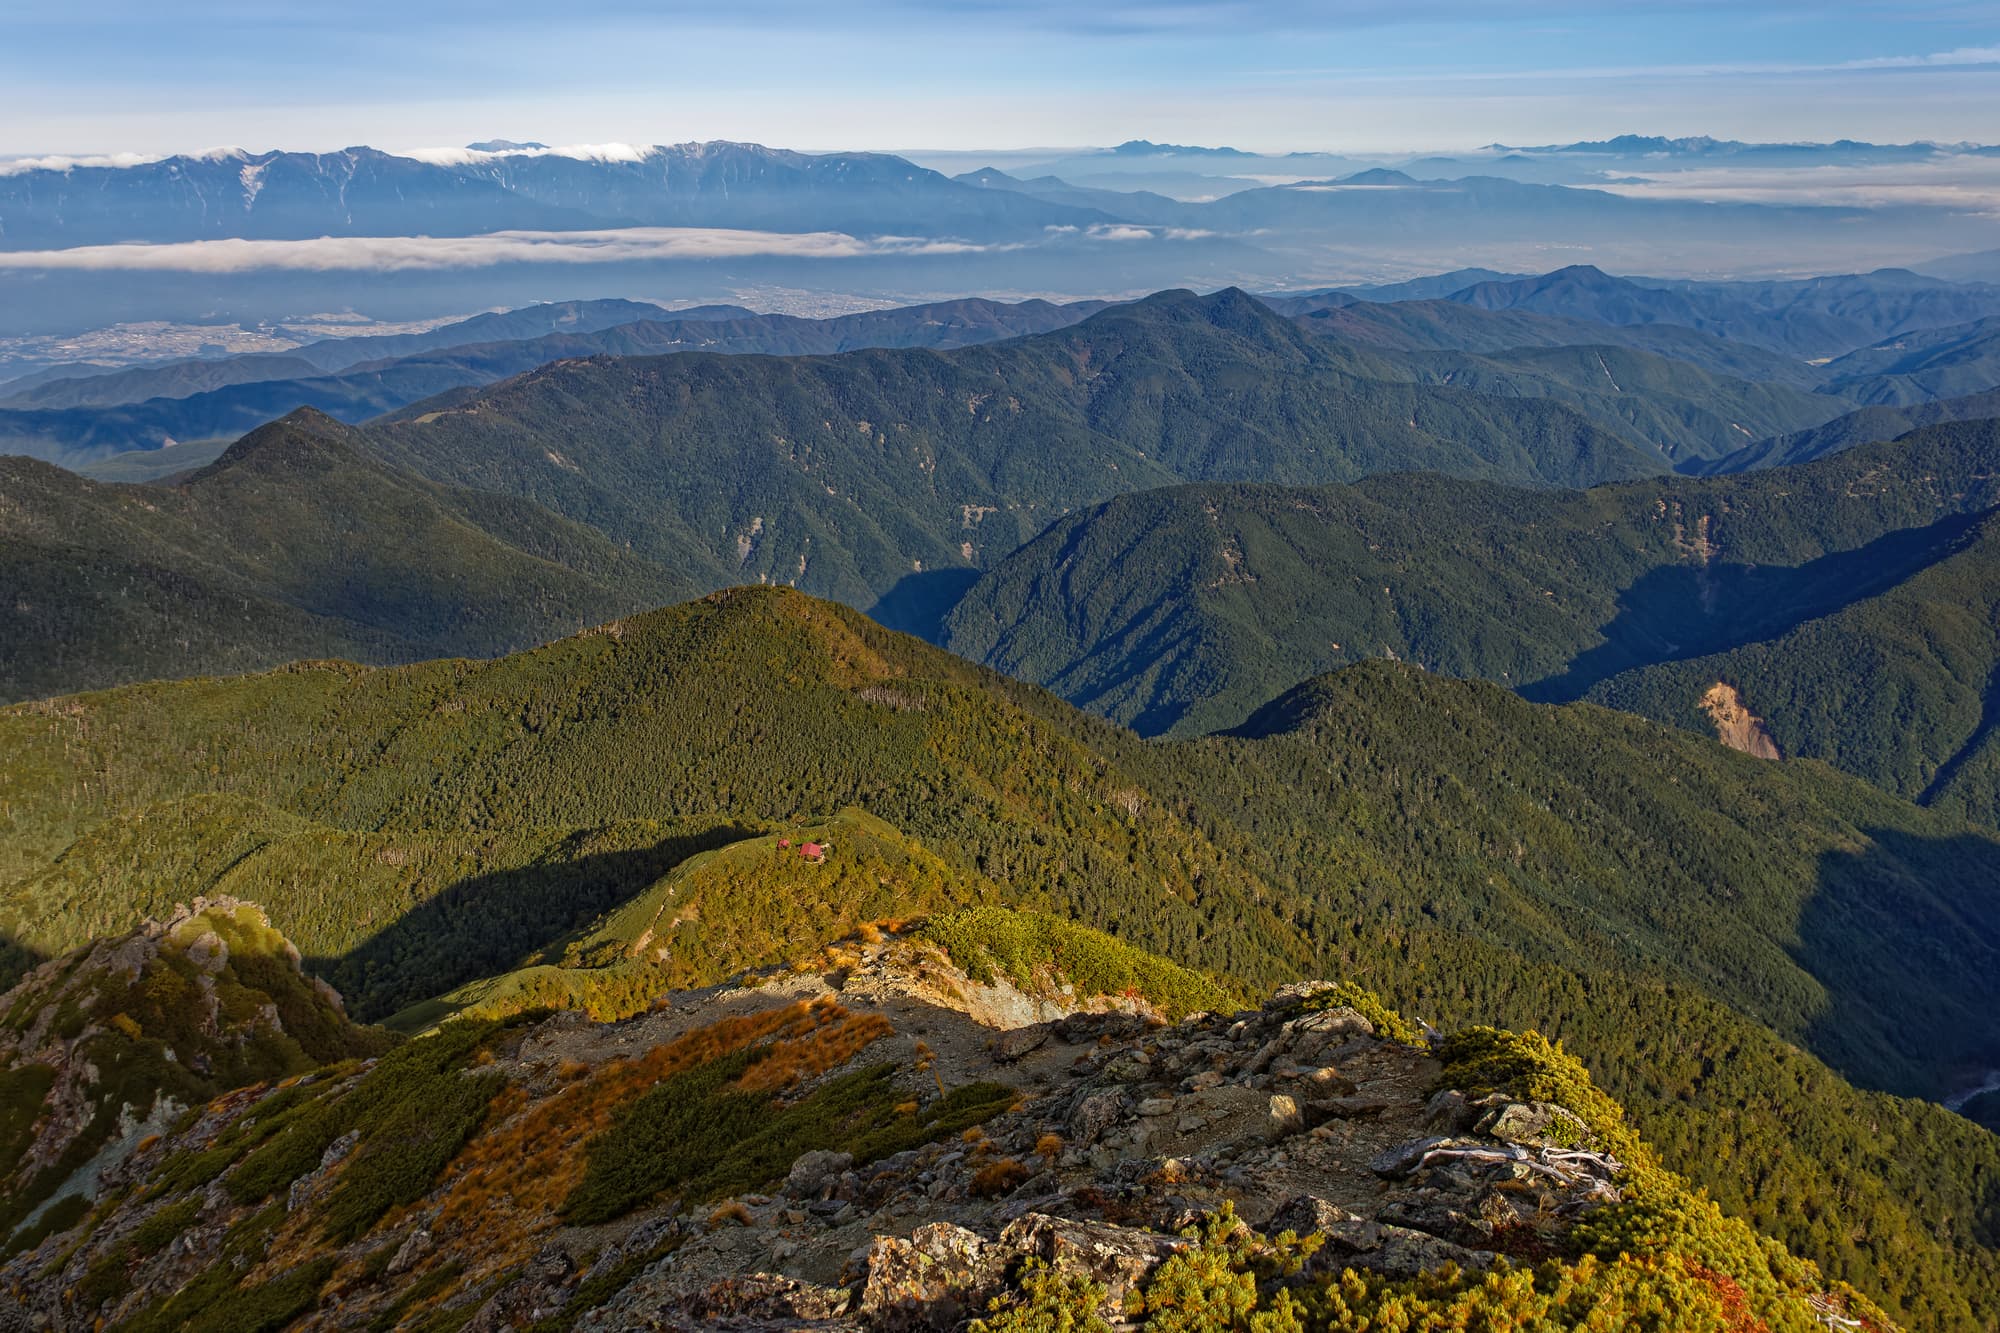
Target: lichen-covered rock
{"x": 1118, "y": 1258}
{"x": 771, "y": 1300}
{"x": 932, "y": 1280}
{"x": 1340, "y": 1022}
{"x": 538, "y": 1292}
{"x": 413, "y": 1248}
{"x": 1094, "y": 1113}
{"x": 1393, "y": 1251}
{"x": 1537, "y": 1124}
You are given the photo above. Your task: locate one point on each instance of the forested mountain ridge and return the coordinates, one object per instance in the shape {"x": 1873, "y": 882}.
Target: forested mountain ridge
{"x": 1681, "y": 412}
{"x": 1869, "y": 425}
{"x": 1802, "y": 317}
{"x": 298, "y": 542}
{"x": 1183, "y": 610}
{"x": 1643, "y": 891}
{"x": 846, "y": 474}
{"x": 1921, "y": 366}
{"x": 1435, "y": 323}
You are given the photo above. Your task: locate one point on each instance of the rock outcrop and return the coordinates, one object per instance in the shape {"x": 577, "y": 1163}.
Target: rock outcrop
{"x": 1103, "y": 1144}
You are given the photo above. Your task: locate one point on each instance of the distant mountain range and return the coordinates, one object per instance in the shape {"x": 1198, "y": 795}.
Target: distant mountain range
{"x": 1114, "y": 222}
{"x": 1703, "y": 148}
{"x": 367, "y": 192}
{"x": 1864, "y": 426}
{"x": 1921, "y": 365}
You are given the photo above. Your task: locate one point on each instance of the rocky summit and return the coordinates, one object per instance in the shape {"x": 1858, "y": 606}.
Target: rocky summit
{"x": 909, "y": 1131}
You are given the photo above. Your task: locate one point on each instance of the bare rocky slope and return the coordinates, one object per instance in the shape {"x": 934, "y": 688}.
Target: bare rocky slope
{"x": 917, "y": 1128}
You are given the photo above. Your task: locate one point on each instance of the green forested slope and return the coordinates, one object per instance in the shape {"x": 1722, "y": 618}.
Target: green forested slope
{"x": 845, "y": 475}
{"x": 1182, "y": 610}
{"x": 1682, "y": 411}
{"x": 1684, "y": 414}
{"x": 1687, "y": 917}
{"x": 1869, "y": 425}
{"x": 1902, "y": 688}
{"x": 1441, "y": 325}
{"x": 296, "y": 543}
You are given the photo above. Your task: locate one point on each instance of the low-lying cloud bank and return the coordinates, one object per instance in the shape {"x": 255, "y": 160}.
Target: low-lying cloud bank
{"x": 392, "y": 253}
{"x": 18, "y": 166}
{"x": 621, "y": 245}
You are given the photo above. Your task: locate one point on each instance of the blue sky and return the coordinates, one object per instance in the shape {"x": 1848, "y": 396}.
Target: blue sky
{"x": 1360, "y": 75}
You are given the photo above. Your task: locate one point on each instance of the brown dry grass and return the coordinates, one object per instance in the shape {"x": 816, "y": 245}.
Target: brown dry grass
{"x": 500, "y": 1195}
{"x": 997, "y": 1178}
{"x": 729, "y": 1214}
{"x": 838, "y": 1039}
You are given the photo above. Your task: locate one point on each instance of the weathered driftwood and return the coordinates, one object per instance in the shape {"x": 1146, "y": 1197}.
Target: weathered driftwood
{"x": 1565, "y": 1167}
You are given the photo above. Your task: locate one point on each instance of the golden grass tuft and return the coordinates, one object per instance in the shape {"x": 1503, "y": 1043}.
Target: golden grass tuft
{"x": 998, "y": 1178}
{"x": 729, "y": 1214}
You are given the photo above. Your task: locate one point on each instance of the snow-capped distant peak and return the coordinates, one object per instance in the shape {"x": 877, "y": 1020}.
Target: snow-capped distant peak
{"x": 583, "y": 152}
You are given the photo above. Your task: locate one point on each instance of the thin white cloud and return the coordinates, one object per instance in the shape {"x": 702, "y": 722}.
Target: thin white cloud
{"x": 399, "y": 253}
{"x": 1964, "y": 183}
{"x": 1960, "y": 58}
{"x": 1964, "y": 55}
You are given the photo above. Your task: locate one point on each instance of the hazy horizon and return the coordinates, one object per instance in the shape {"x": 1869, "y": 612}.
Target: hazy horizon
{"x": 117, "y": 76}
